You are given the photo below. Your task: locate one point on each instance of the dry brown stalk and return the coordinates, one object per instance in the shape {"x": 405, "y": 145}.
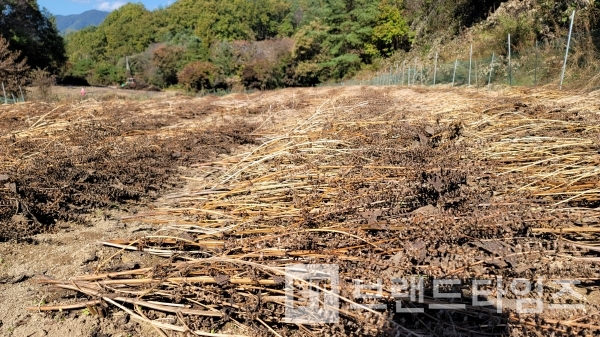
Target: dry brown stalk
{"x": 380, "y": 188}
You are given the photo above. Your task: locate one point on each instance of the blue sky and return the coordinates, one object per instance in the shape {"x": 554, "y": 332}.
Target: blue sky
{"x": 66, "y": 7}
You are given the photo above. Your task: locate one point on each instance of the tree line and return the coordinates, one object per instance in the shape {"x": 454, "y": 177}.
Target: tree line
{"x": 265, "y": 44}
{"x": 234, "y": 44}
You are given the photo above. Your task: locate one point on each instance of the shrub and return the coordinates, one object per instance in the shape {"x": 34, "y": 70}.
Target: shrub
{"x": 522, "y": 33}
{"x": 265, "y": 63}
{"x": 167, "y": 59}
{"x": 105, "y": 73}
{"x": 198, "y": 76}
{"x": 43, "y": 81}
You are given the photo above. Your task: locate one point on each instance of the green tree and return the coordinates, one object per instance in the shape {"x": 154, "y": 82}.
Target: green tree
{"x": 33, "y": 32}
{"x": 126, "y": 31}
{"x": 391, "y": 31}
{"x": 268, "y": 17}
{"x": 105, "y": 73}
{"x": 87, "y": 43}
{"x": 308, "y": 53}
{"x": 340, "y": 40}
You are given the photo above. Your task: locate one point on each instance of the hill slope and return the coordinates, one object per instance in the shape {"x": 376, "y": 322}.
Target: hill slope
{"x": 68, "y": 23}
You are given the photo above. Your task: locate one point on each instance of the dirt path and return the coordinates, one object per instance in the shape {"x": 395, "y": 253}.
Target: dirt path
{"x": 72, "y": 250}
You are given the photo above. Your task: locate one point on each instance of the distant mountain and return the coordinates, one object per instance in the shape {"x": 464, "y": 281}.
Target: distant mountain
{"x": 70, "y": 23}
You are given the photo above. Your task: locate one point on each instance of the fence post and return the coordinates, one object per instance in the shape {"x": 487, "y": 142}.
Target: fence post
{"x": 415, "y": 74}
{"x": 402, "y": 81}
{"x": 384, "y": 78}
{"x": 22, "y": 97}
{"x": 491, "y": 70}
{"x": 4, "y": 92}
{"x": 562, "y": 77}
{"x": 408, "y": 78}
{"x": 509, "y": 65}
{"x": 454, "y": 75}
{"x": 421, "y": 74}
{"x": 396, "y": 74}
{"x": 476, "y": 75}
{"x": 470, "y": 63}
{"x": 435, "y": 67}
{"x": 536, "y": 64}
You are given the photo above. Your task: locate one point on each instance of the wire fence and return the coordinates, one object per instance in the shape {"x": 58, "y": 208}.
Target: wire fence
{"x": 541, "y": 64}
{"x": 10, "y": 98}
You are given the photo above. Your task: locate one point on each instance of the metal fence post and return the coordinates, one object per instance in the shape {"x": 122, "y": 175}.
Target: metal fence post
{"x": 4, "y": 92}
{"x": 435, "y": 68}
{"x": 402, "y": 83}
{"x": 454, "y": 75}
{"x": 491, "y": 70}
{"x": 470, "y": 63}
{"x": 536, "y": 64}
{"x": 509, "y": 65}
{"x": 415, "y": 73}
{"x": 476, "y": 75}
{"x": 562, "y": 77}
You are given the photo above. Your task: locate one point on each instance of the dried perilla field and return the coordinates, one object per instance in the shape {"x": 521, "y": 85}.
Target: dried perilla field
{"x": 384, "y": 183}
{"x": 60, "y": 162}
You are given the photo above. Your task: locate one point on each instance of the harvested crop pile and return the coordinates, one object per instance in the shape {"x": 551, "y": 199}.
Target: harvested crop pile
{"x": 395, "y": 188}
{"x": 61, "y": 162}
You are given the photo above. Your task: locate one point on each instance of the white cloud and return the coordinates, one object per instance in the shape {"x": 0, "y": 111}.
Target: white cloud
{"x": 109, "y": 5}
